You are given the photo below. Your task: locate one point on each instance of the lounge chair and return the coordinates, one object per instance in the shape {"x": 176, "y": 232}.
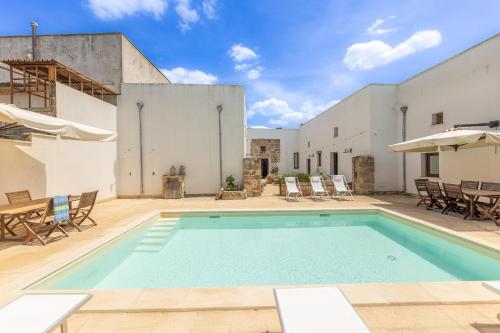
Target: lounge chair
{"x": 317, "y": 310}
{"x": 292, "y": 188}
{"x": 39, "y": 313}
{"x": 341, "y": 187}
{"x": 436, "y": 197}
{"x": 455, "y": 200}
{"x": 422, "y": 192}
{"x": 81, "y": 213}
{"x": 318, "y": 187}
{"x": 53, "y": 216}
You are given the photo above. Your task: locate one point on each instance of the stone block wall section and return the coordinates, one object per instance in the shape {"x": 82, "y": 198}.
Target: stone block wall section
{"x": 251, "y": 176}
{"x": 363, "y": 174}
{"x": 272, "y": 149}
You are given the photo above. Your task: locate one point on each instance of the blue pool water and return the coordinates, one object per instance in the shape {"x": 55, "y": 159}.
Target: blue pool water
{"x": 284, "y": 249}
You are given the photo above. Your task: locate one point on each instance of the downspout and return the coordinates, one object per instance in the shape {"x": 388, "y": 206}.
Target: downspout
{"x": 404, "y": 109}
{"x": 34, "y": 26}
{"x": 219, "y": 109}
{"x": 140, "y": 105}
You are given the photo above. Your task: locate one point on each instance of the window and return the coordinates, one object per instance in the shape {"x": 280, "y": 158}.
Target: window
{"x": 308, "y": 144}
{"x": 295, "y": 160}
{"x": 431, "y": 161}
{"x": 437, "y": 118}
{"x": 318, "y": 154}
{"x": 335, "y": 132}
{"x": 262, "y": 149}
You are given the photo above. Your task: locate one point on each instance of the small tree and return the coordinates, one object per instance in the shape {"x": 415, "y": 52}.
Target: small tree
{"x": 231, "y": 183}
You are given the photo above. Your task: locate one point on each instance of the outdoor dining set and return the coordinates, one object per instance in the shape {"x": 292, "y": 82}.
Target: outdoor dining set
{"x": 41, "y": 217}
{"x": 472, "y": 199}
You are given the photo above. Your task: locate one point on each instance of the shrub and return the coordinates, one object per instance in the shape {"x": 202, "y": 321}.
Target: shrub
{"x": 302, "y": 177}
{"x": 231, "y": 183}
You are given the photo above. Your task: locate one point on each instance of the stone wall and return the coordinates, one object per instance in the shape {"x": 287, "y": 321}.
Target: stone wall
{"x": 272, "y": 150}
{"x": 363, "y": 174}
{"x": 251, "y": 176}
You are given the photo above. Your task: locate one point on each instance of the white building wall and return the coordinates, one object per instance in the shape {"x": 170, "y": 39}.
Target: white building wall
{"x": 467, "y": 89}
{"x": 383, "y": 132}
{"x": 288, "y": 144}
{"x": 352, "y": 117}
{"x": 49, "y": 166}
{"x": 180, "y": 126}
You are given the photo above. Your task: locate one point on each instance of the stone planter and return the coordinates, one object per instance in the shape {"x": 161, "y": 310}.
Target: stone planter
{"x": 231, "y": 195}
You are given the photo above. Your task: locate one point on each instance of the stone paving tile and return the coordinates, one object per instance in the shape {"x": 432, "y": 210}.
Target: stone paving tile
{"x": 21, "y": 264}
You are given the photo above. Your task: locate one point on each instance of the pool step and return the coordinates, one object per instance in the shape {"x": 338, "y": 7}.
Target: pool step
{"x": 156, "y": 237}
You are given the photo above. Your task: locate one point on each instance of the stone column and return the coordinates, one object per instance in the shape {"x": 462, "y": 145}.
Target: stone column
{"x": 363, "y": 174}
{"x": 251, "y": 176}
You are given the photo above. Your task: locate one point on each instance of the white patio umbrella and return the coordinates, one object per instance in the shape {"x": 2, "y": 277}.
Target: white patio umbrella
{"x": 65, "y": 128}
{"x": 452, "y": 139}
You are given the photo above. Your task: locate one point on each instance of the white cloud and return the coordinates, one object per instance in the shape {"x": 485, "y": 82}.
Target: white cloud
{"x": 280, "y": 113}
{"x": 375, "y": 29}
{"x": 183, "y": 75}
{"x": 254, "y": 73}
{"x": 363, "y": 56}
{"x": 242, "y": 67}
{"x": 209, "y": 8}
{"x": 117, "y": 9}
{"x": 241, "y": 53}
{"x": 260, "y": 127}
{"x": 187, "y": 14}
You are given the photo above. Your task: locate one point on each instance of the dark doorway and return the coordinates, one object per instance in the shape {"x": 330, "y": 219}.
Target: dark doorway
{"x": 264, "y": 167}
{"x": 334, "y": 163}
{"x": 308, "y": 166}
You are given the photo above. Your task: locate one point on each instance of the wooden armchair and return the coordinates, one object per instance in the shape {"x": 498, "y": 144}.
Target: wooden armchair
{"x": 81, "y": 213}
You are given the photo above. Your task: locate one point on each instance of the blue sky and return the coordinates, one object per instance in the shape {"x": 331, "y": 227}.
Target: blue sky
{"x": 295, "y": 58}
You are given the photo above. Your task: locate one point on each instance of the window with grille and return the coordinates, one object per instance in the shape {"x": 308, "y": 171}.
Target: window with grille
{"x": 263, "y": 149}
{"x": 437, "y": 118}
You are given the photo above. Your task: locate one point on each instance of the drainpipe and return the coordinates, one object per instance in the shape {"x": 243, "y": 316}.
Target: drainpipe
{"x": 403, "y": 109}
{"x": 34, "y": 26}
{"x": 219, "y": 109}
{"x": 140, "y": 105}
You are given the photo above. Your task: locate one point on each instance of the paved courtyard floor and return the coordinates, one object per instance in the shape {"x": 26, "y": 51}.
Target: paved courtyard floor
{"x": 423, "y": 307}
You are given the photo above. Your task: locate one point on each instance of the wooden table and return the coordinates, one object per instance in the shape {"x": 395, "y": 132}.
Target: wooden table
{"x": 23, "y": 208}
{"x": 474, "y": 195}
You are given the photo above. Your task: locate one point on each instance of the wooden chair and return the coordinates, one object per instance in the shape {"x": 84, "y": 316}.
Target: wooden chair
{"x": 35, "y": 225}
{"x": 491, "y": 209}
{"x": 469, "y": 184}
{"x": 16, "y": 197}
{"x": 455, "y": 200}
{"x": 436, "y": 197}
{"x": 422, "y": 192}
{"x": 81, "y": 213}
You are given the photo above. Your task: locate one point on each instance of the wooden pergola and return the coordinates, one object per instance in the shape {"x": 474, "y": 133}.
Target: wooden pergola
{"x": 38, "y": 77}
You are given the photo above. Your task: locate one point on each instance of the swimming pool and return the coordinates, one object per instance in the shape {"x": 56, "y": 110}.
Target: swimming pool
{"x": 276, "y": 248}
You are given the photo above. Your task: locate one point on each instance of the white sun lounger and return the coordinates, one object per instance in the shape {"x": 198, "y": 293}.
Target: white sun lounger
{"x": 317, "y": 310}
{"x": 493, "y": 286}
{"x": 318, "y": 187}
{"x": 292, "y": 188}
{"x": 40, "y": 313}
{"x": 341, "y": 188}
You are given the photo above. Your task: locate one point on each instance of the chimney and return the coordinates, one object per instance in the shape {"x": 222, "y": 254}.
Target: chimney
{"x": 34, "y": 26}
